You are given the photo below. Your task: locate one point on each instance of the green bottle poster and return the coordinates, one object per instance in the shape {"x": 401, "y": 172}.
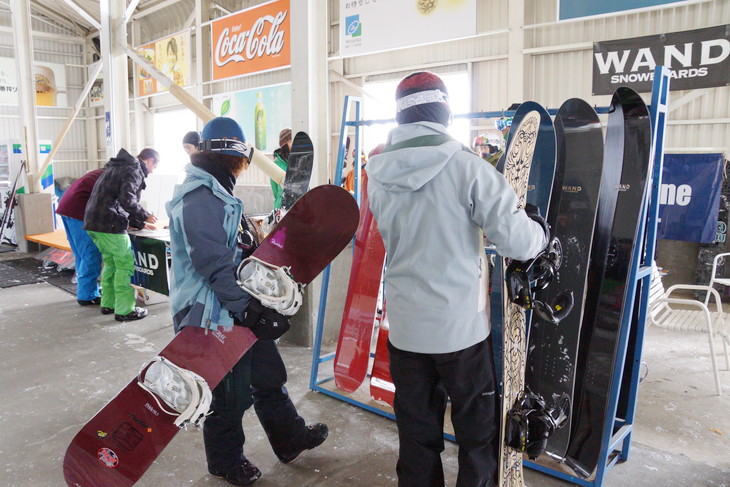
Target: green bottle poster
{"x": 261, "y": 112}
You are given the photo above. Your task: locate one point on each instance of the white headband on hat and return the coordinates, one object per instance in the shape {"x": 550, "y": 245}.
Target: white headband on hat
{"x": 418, "y": 98}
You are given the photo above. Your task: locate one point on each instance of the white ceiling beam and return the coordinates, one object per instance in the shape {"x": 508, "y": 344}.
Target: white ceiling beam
{"x": 49, "y": 36}
{"x": 218, "y": 7}
{"x": 58, "y": 17}
{"x": 191, "y": 19}
{"x": 83, "y": 13}
{"x": 131, "y": 8}
{"x": 201, "y": 111}
{"x": 153, "y": 9}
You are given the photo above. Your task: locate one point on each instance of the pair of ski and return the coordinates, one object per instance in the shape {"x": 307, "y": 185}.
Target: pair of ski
{"x": 593, "y": 211}
{"x": 121, "y": 441}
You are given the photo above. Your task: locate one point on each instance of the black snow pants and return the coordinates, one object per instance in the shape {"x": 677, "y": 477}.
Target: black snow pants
{"x": 423, "y": 382}
{"x": 258, "y": 379}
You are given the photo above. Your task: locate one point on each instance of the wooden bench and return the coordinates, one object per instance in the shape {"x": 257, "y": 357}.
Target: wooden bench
{"x": 56, "y": 239}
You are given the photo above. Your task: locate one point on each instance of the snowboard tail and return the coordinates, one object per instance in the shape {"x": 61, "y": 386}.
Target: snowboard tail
{"x": 117, "y": 446}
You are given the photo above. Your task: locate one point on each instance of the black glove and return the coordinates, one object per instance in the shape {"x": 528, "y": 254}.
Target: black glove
{"x": 264, "y": 322}
{"x": 533, "y": 212}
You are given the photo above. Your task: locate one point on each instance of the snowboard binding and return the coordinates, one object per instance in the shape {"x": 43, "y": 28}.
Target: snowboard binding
{"x": 183, "y": 391}
{"x": 524, "y": 278}
{"x": 530, "y": 422}
{"x": 271, "y": 285}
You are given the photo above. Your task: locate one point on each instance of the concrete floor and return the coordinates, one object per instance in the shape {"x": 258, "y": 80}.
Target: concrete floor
{"x": 62, "y": 362}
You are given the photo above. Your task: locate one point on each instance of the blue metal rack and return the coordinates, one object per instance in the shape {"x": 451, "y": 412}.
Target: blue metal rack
{"x": 616, "y": 431}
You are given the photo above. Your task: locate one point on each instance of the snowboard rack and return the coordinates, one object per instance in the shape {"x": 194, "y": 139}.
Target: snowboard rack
{"x": 616, "y": 437}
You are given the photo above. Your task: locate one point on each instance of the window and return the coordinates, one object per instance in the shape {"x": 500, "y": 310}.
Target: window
{"x": 380, "y": 104}
{"x": 169, "y": 130}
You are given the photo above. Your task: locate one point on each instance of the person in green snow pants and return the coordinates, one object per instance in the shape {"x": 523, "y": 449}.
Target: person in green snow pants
{"x": 113, "y": 207}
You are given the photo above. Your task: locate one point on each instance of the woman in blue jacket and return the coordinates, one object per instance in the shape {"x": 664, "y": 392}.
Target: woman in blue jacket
{"x": 209, "y": 237}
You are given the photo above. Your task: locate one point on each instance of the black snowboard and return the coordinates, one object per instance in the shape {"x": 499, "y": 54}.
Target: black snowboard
{"x": 298, "y": 171}
{"x": 628, "y": 144}
{"x": 553, "y": 349}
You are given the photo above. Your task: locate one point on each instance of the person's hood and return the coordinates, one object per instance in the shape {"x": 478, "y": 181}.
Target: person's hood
{"x": 196, "y": 177}
{"x": 408, "y": 169}
{"x": 124, "y": 158}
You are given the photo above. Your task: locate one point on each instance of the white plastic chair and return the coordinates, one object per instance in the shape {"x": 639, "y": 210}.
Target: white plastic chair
{"x": 670, "y": 312}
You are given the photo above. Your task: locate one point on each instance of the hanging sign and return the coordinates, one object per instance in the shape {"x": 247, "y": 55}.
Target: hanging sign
{"x": 573, "y": 9}
{"x": 251, "y": 41}
{"x": 697, "y": 58}
{"x": 171, "y": 55}
{"x": 368, "y": 26}
{"x": 150, "y": 264}
{"x": 689, "y": 198}
{"x": 50, "y": 83}
{"x": 261, "y": 112}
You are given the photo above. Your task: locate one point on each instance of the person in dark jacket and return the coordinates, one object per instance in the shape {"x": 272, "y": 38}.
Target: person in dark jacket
{"x": 112, "y": 208}
{"x": 209, "y": 237}
{"x": 86, "y": 255}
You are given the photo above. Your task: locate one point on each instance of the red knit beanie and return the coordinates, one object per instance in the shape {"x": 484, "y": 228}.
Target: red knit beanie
{"x": 422, "y": 97}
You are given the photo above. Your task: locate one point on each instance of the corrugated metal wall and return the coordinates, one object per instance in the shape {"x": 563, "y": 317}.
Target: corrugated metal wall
{"x": 557, "y": 60}
{"x": 71, "y": 158}
{"x": 566, "y": 70}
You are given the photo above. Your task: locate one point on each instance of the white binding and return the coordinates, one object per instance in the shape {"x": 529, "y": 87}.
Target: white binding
{"x": 200, "y": 395}
{"x": 270, "y": 284}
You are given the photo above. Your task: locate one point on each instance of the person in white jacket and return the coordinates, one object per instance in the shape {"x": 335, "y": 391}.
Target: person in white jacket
{"x": 433, "y": 199}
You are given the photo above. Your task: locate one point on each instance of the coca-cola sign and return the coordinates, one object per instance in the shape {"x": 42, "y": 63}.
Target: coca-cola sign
{"x": 251, "y": 41}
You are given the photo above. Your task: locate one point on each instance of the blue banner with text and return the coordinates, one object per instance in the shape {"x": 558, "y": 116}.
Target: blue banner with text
{"x": 690, "y": 197}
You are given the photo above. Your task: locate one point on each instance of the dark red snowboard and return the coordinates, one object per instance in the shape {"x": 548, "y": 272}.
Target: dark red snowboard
{"x": 356, "y": 331}
{"x": 121, "y": 441}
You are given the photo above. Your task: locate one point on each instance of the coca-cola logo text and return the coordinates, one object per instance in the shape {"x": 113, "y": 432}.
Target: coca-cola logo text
{"x": 264, "y": 38}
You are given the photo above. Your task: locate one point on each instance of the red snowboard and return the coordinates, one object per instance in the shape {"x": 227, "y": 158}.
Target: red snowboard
{"x": 353, "y": 348}
{"x": 121, "y": 441}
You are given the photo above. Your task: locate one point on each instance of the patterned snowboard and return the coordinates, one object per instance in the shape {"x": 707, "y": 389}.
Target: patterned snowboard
{"x": 545, "y": 176}
{"x": 518, "y": 161}
{"x": 117, "y": 446}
